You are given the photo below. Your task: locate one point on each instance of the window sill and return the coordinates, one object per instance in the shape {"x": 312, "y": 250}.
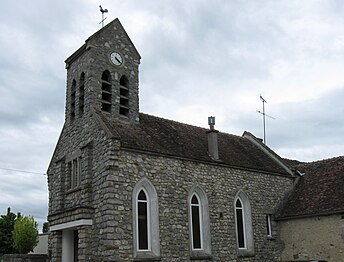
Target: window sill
{"x": 245, "y": 253}
{"x": 200, "y": 255}
{"x": 146, "y": 256}
{"x": 70, "y": 191}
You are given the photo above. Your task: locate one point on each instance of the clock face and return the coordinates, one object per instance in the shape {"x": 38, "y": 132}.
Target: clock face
{"x": 116, "y": 58}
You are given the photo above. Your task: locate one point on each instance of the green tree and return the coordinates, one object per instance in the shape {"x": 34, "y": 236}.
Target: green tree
{"x": 6, "y": 227}
{"x": 25, "y": 234}
{"x": 45, "y": 227}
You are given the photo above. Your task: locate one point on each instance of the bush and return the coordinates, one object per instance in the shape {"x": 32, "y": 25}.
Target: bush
{"x": 25, "y": 234}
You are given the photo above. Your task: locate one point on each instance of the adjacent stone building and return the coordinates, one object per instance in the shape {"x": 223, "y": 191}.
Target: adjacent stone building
{"x": 127, "y": 186}
{"x": 312, "y": 220}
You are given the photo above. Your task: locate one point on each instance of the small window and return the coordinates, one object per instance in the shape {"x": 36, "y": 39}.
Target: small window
{"x": 74, "y": 170}
{"x": 106, "y": 91}
{"x": 124, "y": 96}
{"x": 82, "y": 93}
{"x": 268, "y": 226}
{"x": 72, "y": 99}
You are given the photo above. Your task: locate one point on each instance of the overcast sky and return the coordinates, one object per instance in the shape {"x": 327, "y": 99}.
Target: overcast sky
{"x": 199, "y": 58}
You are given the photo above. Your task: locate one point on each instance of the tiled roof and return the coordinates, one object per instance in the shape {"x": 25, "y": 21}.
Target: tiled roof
{"x": 162, "y": 136}
{"x": 319, "y": 191}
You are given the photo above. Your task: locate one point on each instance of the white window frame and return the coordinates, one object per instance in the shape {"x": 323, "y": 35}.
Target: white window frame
{"x": 147, "y": 201}
{"x": 74, "y": 167}
{"x": 205, "y": 251}
{"x": 153, "y": 251}
{"x": 248, "y": 250}
{"x": 200, "y": 214}
{"x": 268, "y": 225}
{"x": 243, "y": 223}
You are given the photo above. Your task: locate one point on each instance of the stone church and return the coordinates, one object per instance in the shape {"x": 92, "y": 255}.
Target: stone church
{"x": 128, "y": 186}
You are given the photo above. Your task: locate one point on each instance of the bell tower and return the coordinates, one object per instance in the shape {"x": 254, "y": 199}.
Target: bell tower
{"x": 103, "y": 75}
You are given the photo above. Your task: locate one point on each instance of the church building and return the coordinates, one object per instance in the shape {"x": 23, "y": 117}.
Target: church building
{"x": 128, "y": 186}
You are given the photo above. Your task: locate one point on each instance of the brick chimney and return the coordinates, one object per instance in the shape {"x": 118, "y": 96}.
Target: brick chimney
{"x": 212, "y": 139}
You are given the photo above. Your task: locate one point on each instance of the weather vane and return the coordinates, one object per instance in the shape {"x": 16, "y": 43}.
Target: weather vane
{"x": 103, "y": 11}
{"x": 263, "y": 113}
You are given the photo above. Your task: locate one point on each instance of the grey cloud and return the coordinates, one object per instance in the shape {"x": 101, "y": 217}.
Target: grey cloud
{"x": 195, "y": 55}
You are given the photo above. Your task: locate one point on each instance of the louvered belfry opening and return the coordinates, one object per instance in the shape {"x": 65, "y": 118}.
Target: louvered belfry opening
{"x": 82, "y": 93}
{"x": 72, "y": 99}
{"x": 124, "y": 96}
{"x": 106, "y": 91}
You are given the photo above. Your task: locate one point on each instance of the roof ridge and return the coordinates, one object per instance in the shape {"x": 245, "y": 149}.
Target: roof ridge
{"x": 324, "y": 160}
{"x": 186, "y": 124}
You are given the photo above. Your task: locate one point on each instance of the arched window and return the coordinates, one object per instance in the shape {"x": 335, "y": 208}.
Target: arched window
{"x": 243, "y": 224}
{"x": 72, "y": 99}
{"x": 240, "y": 225}
{"x": 81, "y": 93}
{"x": 106, "y": 91}
{"x": 124, "y": 81}
{"x": 199, "y": 223}
{"x": 124, "y": 96}
{"x": 196, "y": 222}
{"x": 145, "y": 220}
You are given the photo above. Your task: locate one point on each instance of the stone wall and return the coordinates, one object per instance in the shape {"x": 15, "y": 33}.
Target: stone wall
{"x": 320, "y": 237}
{"x": 173, "y": 180}
{"x": 42, "y": 245}
{"x": 24, "y": 258}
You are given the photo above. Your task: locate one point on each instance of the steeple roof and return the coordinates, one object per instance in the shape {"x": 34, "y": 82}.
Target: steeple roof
{"x": 113, "y": 25}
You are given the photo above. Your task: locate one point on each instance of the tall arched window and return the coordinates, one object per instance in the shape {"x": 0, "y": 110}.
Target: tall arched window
{"x": 243, "y": 224}
{"x": 106, "y": 91}
{"x": 81, "y": 93}
{"x": 199, "y": 223}
{"x": 145, "y": 220}
{"x": 240, "y": 225}
{"x": 124, "y": 96}
{"x": 196, "y": 222}
{"x": 72, "y": 99}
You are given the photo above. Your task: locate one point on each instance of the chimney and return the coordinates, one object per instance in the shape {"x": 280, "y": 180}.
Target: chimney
{"x": 212, "y": 139}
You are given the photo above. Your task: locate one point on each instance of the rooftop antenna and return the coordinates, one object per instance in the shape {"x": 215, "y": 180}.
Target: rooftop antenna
{"x": 103, "y": 11}
{"x": 263, "y": 114}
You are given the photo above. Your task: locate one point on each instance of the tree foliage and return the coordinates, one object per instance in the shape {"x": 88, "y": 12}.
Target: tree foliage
{"x": 6, "y": 227}
{"x": 45, "y": 227}
{"x": 25, "y": 234}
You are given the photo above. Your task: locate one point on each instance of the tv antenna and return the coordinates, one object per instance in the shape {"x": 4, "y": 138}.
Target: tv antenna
{"x": 264, "y": 115}
{"x": 103, "y": 11}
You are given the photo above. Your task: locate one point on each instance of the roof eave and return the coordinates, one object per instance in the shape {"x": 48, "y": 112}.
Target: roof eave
{"x": 309, "y": 215}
